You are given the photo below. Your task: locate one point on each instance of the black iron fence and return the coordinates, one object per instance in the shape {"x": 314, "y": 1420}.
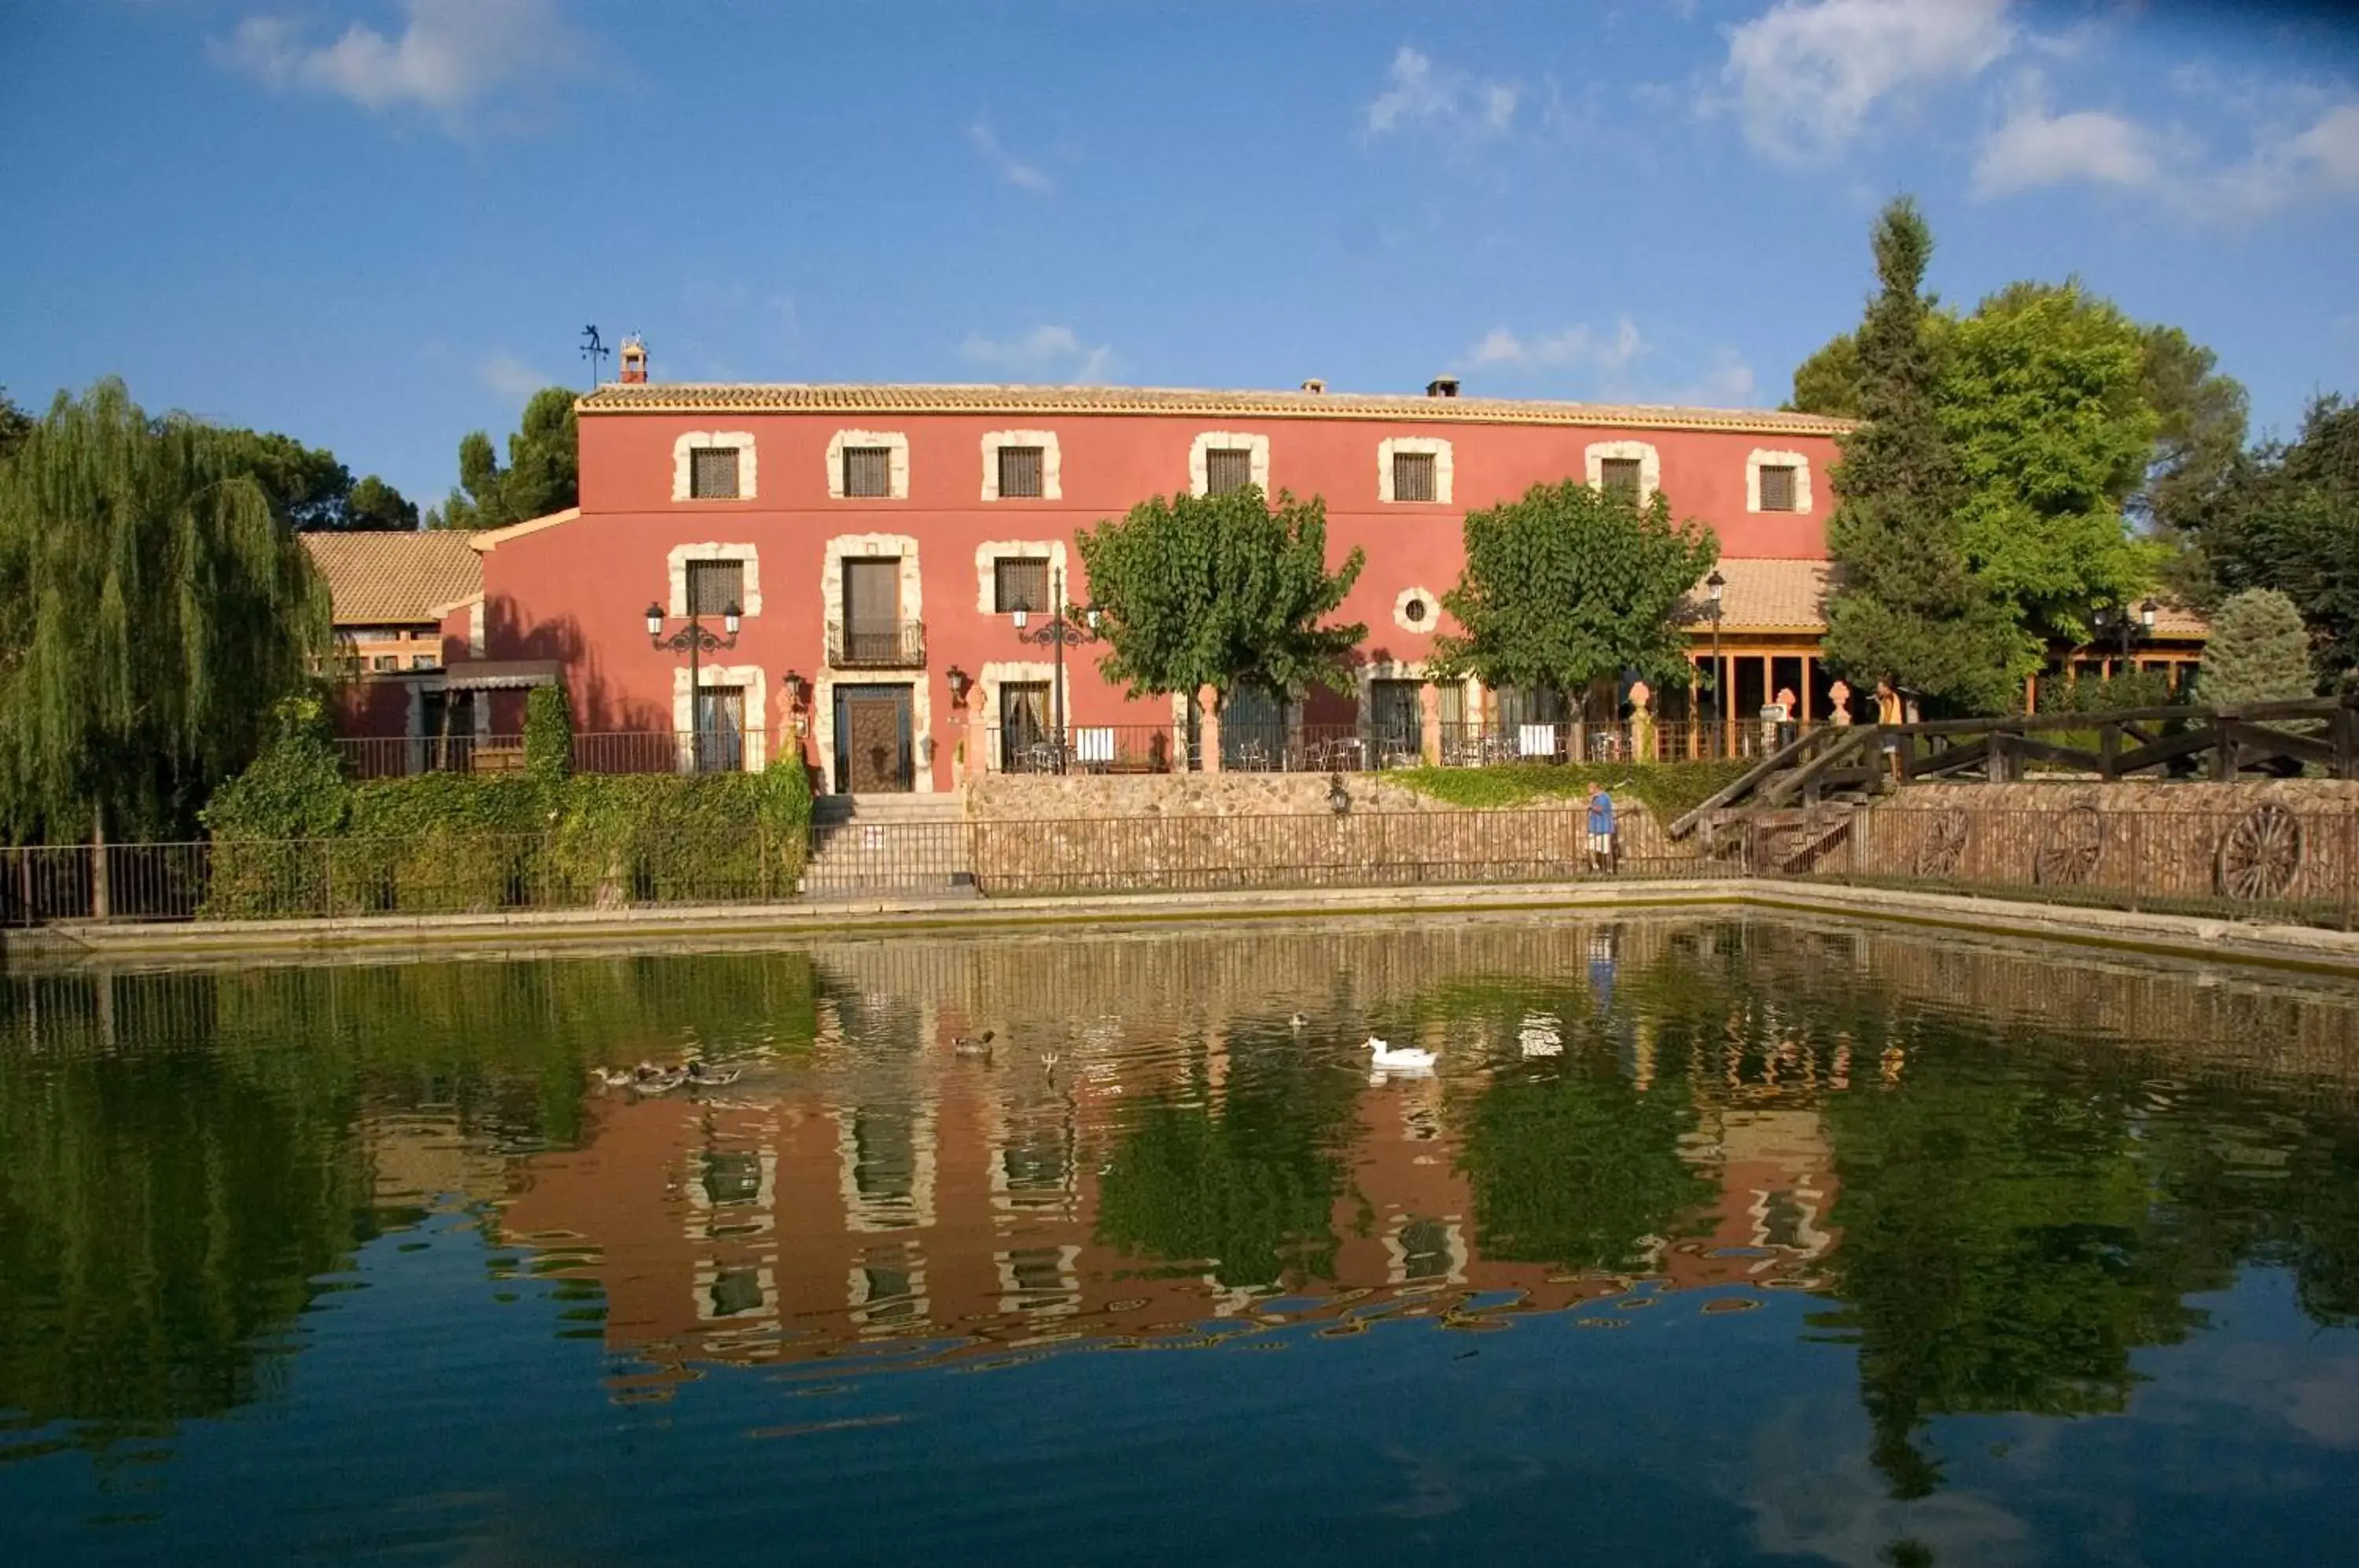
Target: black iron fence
{"x": 2275, "y": 860}
{"x": 620, "y": 751}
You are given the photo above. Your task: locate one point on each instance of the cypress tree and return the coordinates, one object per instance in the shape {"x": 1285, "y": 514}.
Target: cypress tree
{"x": 158, "y": 606}
{"x": 1906, "y": 605}
{"x": 2258, "y": 652}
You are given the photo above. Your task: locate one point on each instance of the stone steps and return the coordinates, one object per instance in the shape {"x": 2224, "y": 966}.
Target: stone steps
{"x": 876, "y": 844}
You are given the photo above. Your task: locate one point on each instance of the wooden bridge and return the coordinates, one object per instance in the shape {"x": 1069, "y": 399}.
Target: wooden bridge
{"x": 1848, "y": 763}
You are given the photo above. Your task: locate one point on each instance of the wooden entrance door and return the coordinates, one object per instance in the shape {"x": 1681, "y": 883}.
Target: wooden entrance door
{"x": 873, "y": 750}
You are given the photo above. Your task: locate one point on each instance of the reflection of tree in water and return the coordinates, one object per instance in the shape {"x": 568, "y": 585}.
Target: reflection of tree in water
{"x": 2022, "y": 1211}
{"x": 167, "y": 1207}
{"x": 1243, "y": 1180}
{"x": 1572, "y": 1159}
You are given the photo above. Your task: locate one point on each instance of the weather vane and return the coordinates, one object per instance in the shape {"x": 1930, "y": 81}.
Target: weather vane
{"x": 594, "y": 351}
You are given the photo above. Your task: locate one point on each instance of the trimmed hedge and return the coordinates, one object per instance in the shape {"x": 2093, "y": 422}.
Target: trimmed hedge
{"x": 1667, "y": 788}
{"x": 292, "y": 835}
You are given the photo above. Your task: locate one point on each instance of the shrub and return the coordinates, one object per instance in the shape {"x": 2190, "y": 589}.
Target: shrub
{"x": 2259, "y": 652}
{"x": 547, "y": 734}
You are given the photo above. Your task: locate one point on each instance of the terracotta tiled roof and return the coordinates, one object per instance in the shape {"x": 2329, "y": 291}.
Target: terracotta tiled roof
{"x": 676, "y": 398}
{"x": 1761, "y": 594}
{"x": 384, "y": 579}
{"x": 2177, "y": 621}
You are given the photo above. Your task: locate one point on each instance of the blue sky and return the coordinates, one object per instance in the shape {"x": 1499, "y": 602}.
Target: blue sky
{"x": 378, "y": 225}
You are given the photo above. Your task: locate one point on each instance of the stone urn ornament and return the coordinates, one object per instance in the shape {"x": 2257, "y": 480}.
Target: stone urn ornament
{"x": 1839, "y": 694}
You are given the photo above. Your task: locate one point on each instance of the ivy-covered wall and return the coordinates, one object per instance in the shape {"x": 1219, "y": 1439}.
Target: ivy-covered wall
{"x": 293, "y": 837}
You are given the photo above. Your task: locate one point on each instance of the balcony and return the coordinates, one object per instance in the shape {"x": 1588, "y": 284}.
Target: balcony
{"x": 892, "y": 645}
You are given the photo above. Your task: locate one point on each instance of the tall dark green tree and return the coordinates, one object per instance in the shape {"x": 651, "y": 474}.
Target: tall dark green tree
{"x": 1227, "y": 591}
{"x": 543, "y": 474}
{"x": 2287, "y": 517}
{"x": 159, "y": 606}
{"x": 1571, "y": 585}
{"x": 15, "y": 424}
{"x": 1905, "y": 605}
{"x": 312, "y": 491}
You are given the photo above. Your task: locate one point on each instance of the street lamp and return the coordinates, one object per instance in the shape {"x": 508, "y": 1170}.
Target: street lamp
{"x": 1059, "y": 631}
{"x": 1713, "y": 586}
{"x": 696, "y": 641}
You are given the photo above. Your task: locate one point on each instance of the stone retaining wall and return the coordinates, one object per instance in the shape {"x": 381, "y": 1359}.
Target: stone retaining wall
{"x": 2284, "y": 843}
{"x": 1187, "y": 832}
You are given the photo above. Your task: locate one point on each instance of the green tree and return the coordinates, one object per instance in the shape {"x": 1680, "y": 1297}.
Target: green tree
{"x": 2287, "y": 517}
{"x": 376, "y": 507}
{"x": 15, "y": 425}
{"x": 1828, "y": 382}
{"x": 1905, "y": 605}
{"x": 1570, "y": 585}
{"x": 1220, "y": 591}
{"x": 161, "y": 607}
{"x": 2043, "y": 396}
{"x": 543, "y": 474}
{"x": 2258, "y": 652}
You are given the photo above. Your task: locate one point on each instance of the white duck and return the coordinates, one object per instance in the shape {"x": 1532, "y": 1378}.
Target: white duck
{"x": 1407, "y": 1059}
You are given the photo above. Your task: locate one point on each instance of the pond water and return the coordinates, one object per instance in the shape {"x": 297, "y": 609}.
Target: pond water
{"x": 1704, "y": 1241}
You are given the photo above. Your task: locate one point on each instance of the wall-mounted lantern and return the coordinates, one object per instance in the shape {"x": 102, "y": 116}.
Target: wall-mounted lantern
{"x": 1339, "y": 799}
{"x": 960, "y": 684}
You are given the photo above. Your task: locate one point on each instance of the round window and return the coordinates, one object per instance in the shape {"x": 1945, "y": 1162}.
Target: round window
{"x": 1415, "y": 611}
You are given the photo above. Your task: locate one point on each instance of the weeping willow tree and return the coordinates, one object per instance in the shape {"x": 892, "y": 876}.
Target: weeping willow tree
{"x": 157, "y": 604}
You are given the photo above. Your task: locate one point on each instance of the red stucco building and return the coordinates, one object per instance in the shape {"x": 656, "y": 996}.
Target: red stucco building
{"x": 877, "y": 539}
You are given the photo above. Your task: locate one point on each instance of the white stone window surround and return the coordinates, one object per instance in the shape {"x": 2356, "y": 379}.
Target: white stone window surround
{"x": 756, "y": 721}
{"x": 989, "y": 554}
{"x": 1051, "y": 463}
{"x": 896, "y": 464}
{"x": 1764, "y": 457}
{"x": 475, "y": 627}
{"x": 742, "y": 442}
{"x": 913, "y": 608}
{"x": 1432, "y": 611}
{"x": 676, "y": 573}
{"x": 1650, "y": 465}
{"x": 1257, "y": 447}
{"x": 997, "y": 673}
{"x": 1434, "y": 446}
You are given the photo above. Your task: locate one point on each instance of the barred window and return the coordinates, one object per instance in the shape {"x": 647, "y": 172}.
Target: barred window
{"x": 1412, "y": 477}
{"x": 1019, "y": 471}
{"x": 1020, "y": 582}
{"x": 713, "y": 472}
{"x": 715, "y": 585}
{"x": 1776, "y": 489}
{"x": 867, "y": 470}
{"x": 1227, "y": 470}
{"x": 387, "y": 663}
{"x": 423, "y": 661}
{"x": 1619, "y": 477}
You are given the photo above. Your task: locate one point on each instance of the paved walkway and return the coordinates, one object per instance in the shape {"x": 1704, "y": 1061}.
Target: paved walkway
{"x": 584, "y": 930}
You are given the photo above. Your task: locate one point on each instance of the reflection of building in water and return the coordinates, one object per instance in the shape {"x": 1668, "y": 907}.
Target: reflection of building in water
{"x": 887, "y": 1188}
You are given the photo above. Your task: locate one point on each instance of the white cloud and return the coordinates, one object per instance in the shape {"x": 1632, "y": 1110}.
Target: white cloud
{"x": 2034, "y": 147}
{"x": 1046, "y": 353}
{"x": 1417, "y": 96}
{"x": 1015, "y": 170}
{"x": 448, "y": 57}
{"x": 1576, "y": 347}
{"x": 511, "y": 377}
{"x": 2312, "y": 158}
{"x": 1728, "y": 384}
{"x": 1807, "y": 73}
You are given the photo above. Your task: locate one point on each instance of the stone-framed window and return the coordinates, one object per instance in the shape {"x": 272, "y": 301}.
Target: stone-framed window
{"x": 1022, "y": 465}
{"x": 868, "y": 465}
{"x": 1220, "y": 462}
{"x": 1425, "y": 476}
{"x": 714, "y": 586}
{"x": 1775, "y": 476}
{"x": 990, "y": 553}
{"x": 1416, "y": 610}
{"x": 743, "y": 557}
{"x": 1020, "y": 582}
{"x": 713, "y": 465}
{"x": 1610, "y": 465}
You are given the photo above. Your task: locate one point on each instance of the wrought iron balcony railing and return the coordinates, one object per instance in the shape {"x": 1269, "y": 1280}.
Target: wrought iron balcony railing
{"x": 895, "y": 645}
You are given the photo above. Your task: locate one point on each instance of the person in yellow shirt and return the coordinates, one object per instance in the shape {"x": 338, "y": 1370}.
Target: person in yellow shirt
{"x": 1889, "y": 711}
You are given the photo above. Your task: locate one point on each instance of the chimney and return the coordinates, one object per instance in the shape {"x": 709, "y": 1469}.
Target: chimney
{"x": 634, "y": 358}
{"x": 1442, "y": 387}
{"x": 1314, "y": 387}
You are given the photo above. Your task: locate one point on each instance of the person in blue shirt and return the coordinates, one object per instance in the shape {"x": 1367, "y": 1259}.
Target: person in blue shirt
{"x": 1601, "y": 829}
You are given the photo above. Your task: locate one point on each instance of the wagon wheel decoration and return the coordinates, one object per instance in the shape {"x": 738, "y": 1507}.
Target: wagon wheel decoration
{"x": 2260, "y": 856}
{"x": 1944, "y": 844}
{"x": 2075, "y": 843}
